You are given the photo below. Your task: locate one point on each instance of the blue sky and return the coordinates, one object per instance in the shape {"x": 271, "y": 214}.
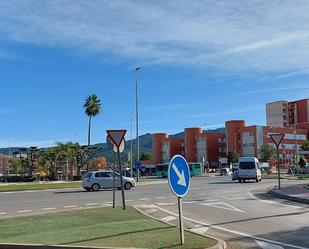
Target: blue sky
{"x": 203, "y": 62}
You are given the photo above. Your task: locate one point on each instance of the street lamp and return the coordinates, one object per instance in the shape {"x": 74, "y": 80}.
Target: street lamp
{"x": 137, "y": 139}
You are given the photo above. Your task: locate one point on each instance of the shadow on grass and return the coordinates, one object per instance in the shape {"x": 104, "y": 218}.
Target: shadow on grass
{"x": 115, "y": 235}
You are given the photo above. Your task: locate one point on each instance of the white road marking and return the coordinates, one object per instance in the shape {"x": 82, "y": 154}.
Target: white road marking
{"x": 274, "y": 202}
{"x": 199, "y": 229}
{"x": 2, "y": 213}
{"x": 165, "y": 203}
{"x": 130, "y": 200}
{"x": 202, "y": 194}
{"x": 92, "y": 204}
{"x": 70, "y": 206}
{"x": 236, "y": 198}
{"x": 168, "y": 218}
{"x": 151, "y": 210}
{"x": 24, "y": 211}
{"x": 223, "y": 205}
{"x": 30, "y": 191}
{"x": 144, "y": 199}
{"x": 189, "y": 202}
{"x": 266, "y": 245}
{"x": 49, "y": 208}
{"x": 161, "y": 197}
{"x": 235, "y": 232}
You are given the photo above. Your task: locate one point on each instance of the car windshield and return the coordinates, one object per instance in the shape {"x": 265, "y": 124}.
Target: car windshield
{"x": 246, "y": 165}
{"x": 88, "y": 174}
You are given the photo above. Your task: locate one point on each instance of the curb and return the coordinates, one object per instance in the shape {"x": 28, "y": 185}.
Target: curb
{"x": 220, "y": 245}
{"x": 40, "y": 246}
{"x": 288, "y": 197}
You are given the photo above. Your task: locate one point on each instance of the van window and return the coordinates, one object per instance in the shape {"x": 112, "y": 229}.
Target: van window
{"x": 247, "y": 165}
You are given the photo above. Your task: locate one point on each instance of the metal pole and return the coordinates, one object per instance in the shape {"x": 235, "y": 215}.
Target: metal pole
{"x": 121, "y": 181}
{"x": 182, "y": 237}
{"x": 278, "y": 168}
{"x": 131, "y": 150}
{"x": 137, "y": 138}
{"x": 8, "y": 171}
{"x": 114, "y": 162}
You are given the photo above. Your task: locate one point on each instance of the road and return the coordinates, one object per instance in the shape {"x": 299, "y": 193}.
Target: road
{"x": 240, "y": 213}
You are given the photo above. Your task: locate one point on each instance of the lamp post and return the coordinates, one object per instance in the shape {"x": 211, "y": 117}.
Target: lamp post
{"x": 137, "y": 139}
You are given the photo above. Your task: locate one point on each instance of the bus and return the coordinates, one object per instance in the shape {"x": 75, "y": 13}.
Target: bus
{"x": 195, "y": 169}
{"x": 161, "y": 169}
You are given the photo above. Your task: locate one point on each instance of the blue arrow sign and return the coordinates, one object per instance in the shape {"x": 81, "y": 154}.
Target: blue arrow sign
{"x": 138, "y": 164}
{"x": 179, "y": 175}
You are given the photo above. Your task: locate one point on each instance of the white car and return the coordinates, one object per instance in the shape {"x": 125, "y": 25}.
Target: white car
{"x": 102, "y": 179}
{"x": 249, "y": 169}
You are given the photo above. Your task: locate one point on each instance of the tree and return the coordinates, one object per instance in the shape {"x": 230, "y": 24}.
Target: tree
{"x": 64, "y": 156}
{"x": 232, "y": 157}
{"x": 145, "y": 156}
{"x": 92, "y": 108}
{"x": 15, "y": 166}
{"x": 305, "y": 146}
{"x": 267, "y": 151}
{"x": 98, "y": 163}
{"x": 302, "y": 162}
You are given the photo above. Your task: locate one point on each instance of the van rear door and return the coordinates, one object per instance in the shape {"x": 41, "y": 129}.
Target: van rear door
{"x": 247, "y": 170}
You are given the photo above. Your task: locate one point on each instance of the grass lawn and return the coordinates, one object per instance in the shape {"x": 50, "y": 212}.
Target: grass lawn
{"x": 32, "y": 186}
{"x": 97, "y": 227}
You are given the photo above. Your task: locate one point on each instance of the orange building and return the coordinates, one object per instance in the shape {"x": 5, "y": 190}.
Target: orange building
{"x": 196, "y": 146}
{"x": 284, "y": 114}
{"x": 247, "y": 140}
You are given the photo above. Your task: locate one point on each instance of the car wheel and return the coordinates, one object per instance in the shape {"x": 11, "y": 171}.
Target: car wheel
{"x": 257, "y": 179}
{"x": 239, "y": 180}
{"x": 87, "y": 189}
{"x": 127, "y": 186}
{"x": 244, "y": 180}
{"x": 95, "y": 187}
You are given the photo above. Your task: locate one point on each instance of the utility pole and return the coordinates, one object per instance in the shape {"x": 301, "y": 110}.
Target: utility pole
{"x": 9, "y": 148}
{"x": 131, "y": 149}
{"x": 137, "y": 138}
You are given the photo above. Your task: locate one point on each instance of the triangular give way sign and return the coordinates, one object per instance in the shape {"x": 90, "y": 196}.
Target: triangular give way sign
{"x": 277, "y": 138}
{"x": 116, "y": 136}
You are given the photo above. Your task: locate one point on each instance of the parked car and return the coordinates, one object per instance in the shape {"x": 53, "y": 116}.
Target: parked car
{"x": 235, "y": 175}
{"x": 249, "y": 169}
{"x": 225, "y": 171}
{"x": 103, "y": 179}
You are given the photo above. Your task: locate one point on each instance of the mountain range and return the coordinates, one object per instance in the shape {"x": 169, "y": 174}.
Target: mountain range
{"x": 145, "y": 142}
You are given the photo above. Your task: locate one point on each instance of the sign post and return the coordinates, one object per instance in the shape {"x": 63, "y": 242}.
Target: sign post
{"x": 111, "y": 146}
{"x": 277, "y": 139}
{"x": 138, "y": 165}
{"x": 117, "y": 138}
{"x": 179, "y": 182}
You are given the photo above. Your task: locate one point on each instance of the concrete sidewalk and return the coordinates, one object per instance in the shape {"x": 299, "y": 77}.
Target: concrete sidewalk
{"x": 297, "y": 193}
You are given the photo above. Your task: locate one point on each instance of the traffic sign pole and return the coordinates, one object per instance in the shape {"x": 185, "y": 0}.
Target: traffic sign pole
{"x": 182, "y": 237}
{"x": 277, "y": 139}
{"x": 121, "y": 181}
{"x": 116, "y": 137}
{"x": 114, "y": 162}
{"x": 278, "y": 168}
{"x": 179, "y": 181}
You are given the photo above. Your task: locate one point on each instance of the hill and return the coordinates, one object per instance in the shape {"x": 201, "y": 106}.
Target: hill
{"x": 144, "y": 140}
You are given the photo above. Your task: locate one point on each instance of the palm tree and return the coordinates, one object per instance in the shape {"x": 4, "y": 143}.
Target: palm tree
{"x": 92, "y": 108}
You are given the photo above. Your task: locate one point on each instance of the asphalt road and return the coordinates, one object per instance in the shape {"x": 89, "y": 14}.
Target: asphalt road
{"x": 240, "y": 213}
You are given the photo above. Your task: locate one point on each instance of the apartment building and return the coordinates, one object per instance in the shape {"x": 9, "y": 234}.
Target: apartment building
{"x": 196, "y": 146}
{"x": 247, "y": 140}
{"x": 286, "y": 114}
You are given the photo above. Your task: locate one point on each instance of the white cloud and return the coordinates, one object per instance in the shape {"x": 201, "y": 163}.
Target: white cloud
{"x": 228, "y": 35}
{"x": 227, "y": 112}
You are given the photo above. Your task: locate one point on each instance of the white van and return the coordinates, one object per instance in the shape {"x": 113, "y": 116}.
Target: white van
{"x": 249, "y": 169}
